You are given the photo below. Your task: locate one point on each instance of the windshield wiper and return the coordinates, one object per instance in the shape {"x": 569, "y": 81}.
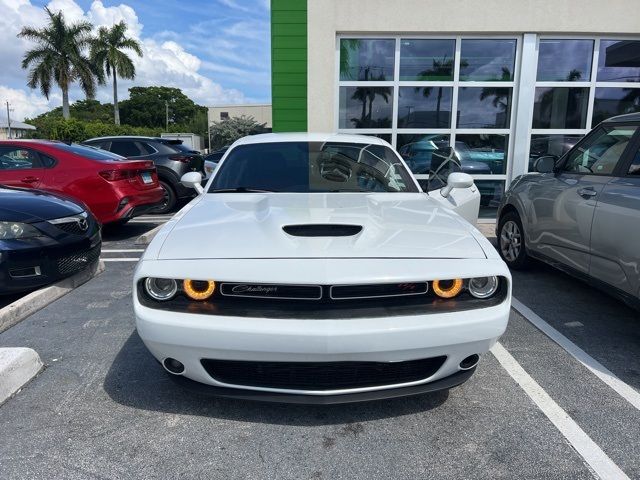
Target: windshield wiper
{"x": 240, "y": 190}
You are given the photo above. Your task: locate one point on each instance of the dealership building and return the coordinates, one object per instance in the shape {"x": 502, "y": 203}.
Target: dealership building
{"x": 504, "y": 81}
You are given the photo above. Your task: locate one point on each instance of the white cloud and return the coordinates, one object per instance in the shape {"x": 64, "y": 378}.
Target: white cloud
{"x": 25, "y": 105}
{"x": 165, "y": 63}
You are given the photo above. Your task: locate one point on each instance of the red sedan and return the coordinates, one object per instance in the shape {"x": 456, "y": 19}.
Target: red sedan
{"x": 114, "y": 189}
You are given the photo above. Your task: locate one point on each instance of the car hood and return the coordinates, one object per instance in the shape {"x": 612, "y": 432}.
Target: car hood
{"x": 28, "y": 206}
{"x": 250, "y": 225}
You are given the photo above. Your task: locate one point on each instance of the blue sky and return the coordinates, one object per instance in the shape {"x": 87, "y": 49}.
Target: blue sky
{"x": 217, "y": 51}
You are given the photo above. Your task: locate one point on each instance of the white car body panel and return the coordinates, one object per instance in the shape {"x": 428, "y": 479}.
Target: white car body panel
{"x": 238, "y": 237}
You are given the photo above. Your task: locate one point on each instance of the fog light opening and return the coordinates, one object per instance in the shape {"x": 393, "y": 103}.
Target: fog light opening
{"x": 469, "y": 362}
{"x": 173, "y": 366}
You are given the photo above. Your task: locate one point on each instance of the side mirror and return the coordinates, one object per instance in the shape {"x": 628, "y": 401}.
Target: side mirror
{"x": 545, "y": 164}
{"x": 457, "y": 180}
{"x": 192, "y": 180}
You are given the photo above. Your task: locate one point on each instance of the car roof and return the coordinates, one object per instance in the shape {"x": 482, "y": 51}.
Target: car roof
{"x": 629, "y": 117}
{"x": 125, "y": 137}
{"x": 309, "y": 137}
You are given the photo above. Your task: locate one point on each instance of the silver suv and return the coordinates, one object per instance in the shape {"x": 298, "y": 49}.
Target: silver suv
{"x": 581, "y": 212}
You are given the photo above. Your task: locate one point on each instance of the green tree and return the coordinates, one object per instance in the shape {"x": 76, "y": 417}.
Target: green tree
{"x": 228, "y": 131}
{"x": 147, "y": 107}
{"x": 107, "y": 52}
{"x": 58, "y": 57}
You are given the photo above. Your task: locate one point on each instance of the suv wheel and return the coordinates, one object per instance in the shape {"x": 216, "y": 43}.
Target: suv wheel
{"x": 511, "y": 241}
{"x": 169, "y": 201}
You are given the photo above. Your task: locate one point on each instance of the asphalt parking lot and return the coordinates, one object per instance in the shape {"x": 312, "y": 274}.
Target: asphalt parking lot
{"x": 535, "y": 408}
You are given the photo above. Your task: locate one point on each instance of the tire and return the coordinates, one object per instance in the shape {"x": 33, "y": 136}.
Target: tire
{"x": 511, "y": 242}
{"x": 170, "y": 199}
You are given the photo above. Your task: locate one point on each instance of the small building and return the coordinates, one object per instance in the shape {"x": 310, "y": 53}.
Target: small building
{"x": 18, "y": 129}
{"x": 261, "y": 113}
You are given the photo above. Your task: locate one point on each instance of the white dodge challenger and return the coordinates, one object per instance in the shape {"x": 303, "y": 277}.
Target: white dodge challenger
{"x": 313, "y": 268}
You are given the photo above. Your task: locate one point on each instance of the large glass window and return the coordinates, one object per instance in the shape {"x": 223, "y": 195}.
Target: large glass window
{"x": 484, "y": 107}
{"x": 560, "y": 107}
{"x": 426, "y": 59}
{"x": 366, "y": 107}
{"x": 619, "y": 61}
{"x": 424, "y": 107}
{"x": 482, "y": 154}
{"x": 609, "y": 102}
{"x": 416, "y": 150}
{"x": 565, "y": 60}
{"x": 487, "y": 60}
{"x": 367, "y": 59}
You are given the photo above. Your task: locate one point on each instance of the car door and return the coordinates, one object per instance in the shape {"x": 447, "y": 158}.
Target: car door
{"x": 615, "y": 236}
{"x": 563, "y": 203}
{"x": 21, "y": 167}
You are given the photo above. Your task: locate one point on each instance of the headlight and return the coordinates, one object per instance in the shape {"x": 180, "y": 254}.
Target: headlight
{"x": 447, "y": 288}
{"x": 199, "y": 289}
{"x": 161, "y": 288}
{"x": 13, "y": 230}
{"x": 483, "y": 287}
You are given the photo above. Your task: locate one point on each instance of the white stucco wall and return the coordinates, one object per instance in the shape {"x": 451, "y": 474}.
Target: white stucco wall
{"x": 326, "y": 18}
{"x": 260, "y": 112}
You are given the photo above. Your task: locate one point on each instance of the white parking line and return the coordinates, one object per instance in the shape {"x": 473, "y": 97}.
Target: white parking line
{"x": 595, "y": 457}
{"x": 152, "y": 220}
{"x": 123, "y": 250}
{"x": 603, "y": 373}
{"x": 123, "y": 259}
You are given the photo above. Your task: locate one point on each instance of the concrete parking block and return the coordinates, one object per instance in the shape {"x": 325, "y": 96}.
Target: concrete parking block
{"x": 145, "y": 238}
{"x": 17, "y": 367}
{"x": 31, "y": 303}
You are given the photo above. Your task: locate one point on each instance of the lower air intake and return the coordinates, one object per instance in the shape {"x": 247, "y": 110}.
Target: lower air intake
{"x": 320, "y": 375}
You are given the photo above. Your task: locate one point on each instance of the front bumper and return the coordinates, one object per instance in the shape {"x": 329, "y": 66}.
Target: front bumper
{"x": 189, "y": 338}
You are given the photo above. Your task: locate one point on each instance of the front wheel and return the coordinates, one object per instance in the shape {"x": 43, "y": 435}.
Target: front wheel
{"x": 511, "y": 241}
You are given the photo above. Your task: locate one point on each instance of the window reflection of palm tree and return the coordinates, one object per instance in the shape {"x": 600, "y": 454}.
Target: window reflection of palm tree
{"x": 367, "y": 96}
{"x": 500, "y": 95}
{"x": 440, "y": 69}
{"x": 574, "y": 98}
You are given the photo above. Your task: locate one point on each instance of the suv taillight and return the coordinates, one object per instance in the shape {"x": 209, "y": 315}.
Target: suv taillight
{"x": 181, "y": 158}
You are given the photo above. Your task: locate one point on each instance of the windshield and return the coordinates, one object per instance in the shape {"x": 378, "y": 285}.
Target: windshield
{"x": 313, "y": 167}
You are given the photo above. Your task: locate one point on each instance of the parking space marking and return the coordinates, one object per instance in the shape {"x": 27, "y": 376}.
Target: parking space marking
{"x": 122, "y": 259}
{"x": 603, "y": 373}
{"x": 122, "y": 250}
{"x": 595, "y": 457}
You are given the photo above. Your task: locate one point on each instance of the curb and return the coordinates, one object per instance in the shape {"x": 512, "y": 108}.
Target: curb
{"x": 31, "y": 303}
{"x": 17, "y": 367}
{"x": 145, "y": 238}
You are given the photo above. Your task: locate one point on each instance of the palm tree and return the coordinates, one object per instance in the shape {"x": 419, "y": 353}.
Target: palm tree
{"x": 58, "y": 57}
{"x": 107, "y": 54}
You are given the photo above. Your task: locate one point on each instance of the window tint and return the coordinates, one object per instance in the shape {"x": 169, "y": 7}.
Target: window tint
{"x": 430, "y": 59}
{"x": 126, "y": 148}
{"x": 18, "y": 158}
{"x": 560, "y": 107}
{"x": 87, "y": 152}
{"x": 619, "y": 61}
{"x": 46, "y": 161}
{"x": 314, "y": 167}
{"x": 600, "y": 153}
{"x": 487, "y": 60}
{"x": 565, "y": 60}
{"x": 366, "y": 107}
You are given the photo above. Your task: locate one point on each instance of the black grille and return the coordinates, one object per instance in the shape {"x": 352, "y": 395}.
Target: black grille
{"x": 322, "y": 230}
{"x": 78, "y": 261}
{"x": 320, "y": 375}
{"x": 378, "y": 290}
{"x": 71, "y": 227}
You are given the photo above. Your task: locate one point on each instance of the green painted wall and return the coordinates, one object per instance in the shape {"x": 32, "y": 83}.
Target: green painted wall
{"x": 289, "y": 65}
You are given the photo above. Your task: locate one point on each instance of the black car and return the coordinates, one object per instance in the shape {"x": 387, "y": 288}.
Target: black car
{"x": 216, "y": 156}
{"x": 171, "y": 158}
{"x": 43, "y": 238}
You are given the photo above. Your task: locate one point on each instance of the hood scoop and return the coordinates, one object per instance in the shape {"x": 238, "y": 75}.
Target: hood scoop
{"x": 322, "y": 230}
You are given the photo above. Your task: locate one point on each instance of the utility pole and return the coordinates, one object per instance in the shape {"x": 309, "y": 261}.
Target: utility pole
{"x": 8, "y": 121}
{"x": 166, "y": 107}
